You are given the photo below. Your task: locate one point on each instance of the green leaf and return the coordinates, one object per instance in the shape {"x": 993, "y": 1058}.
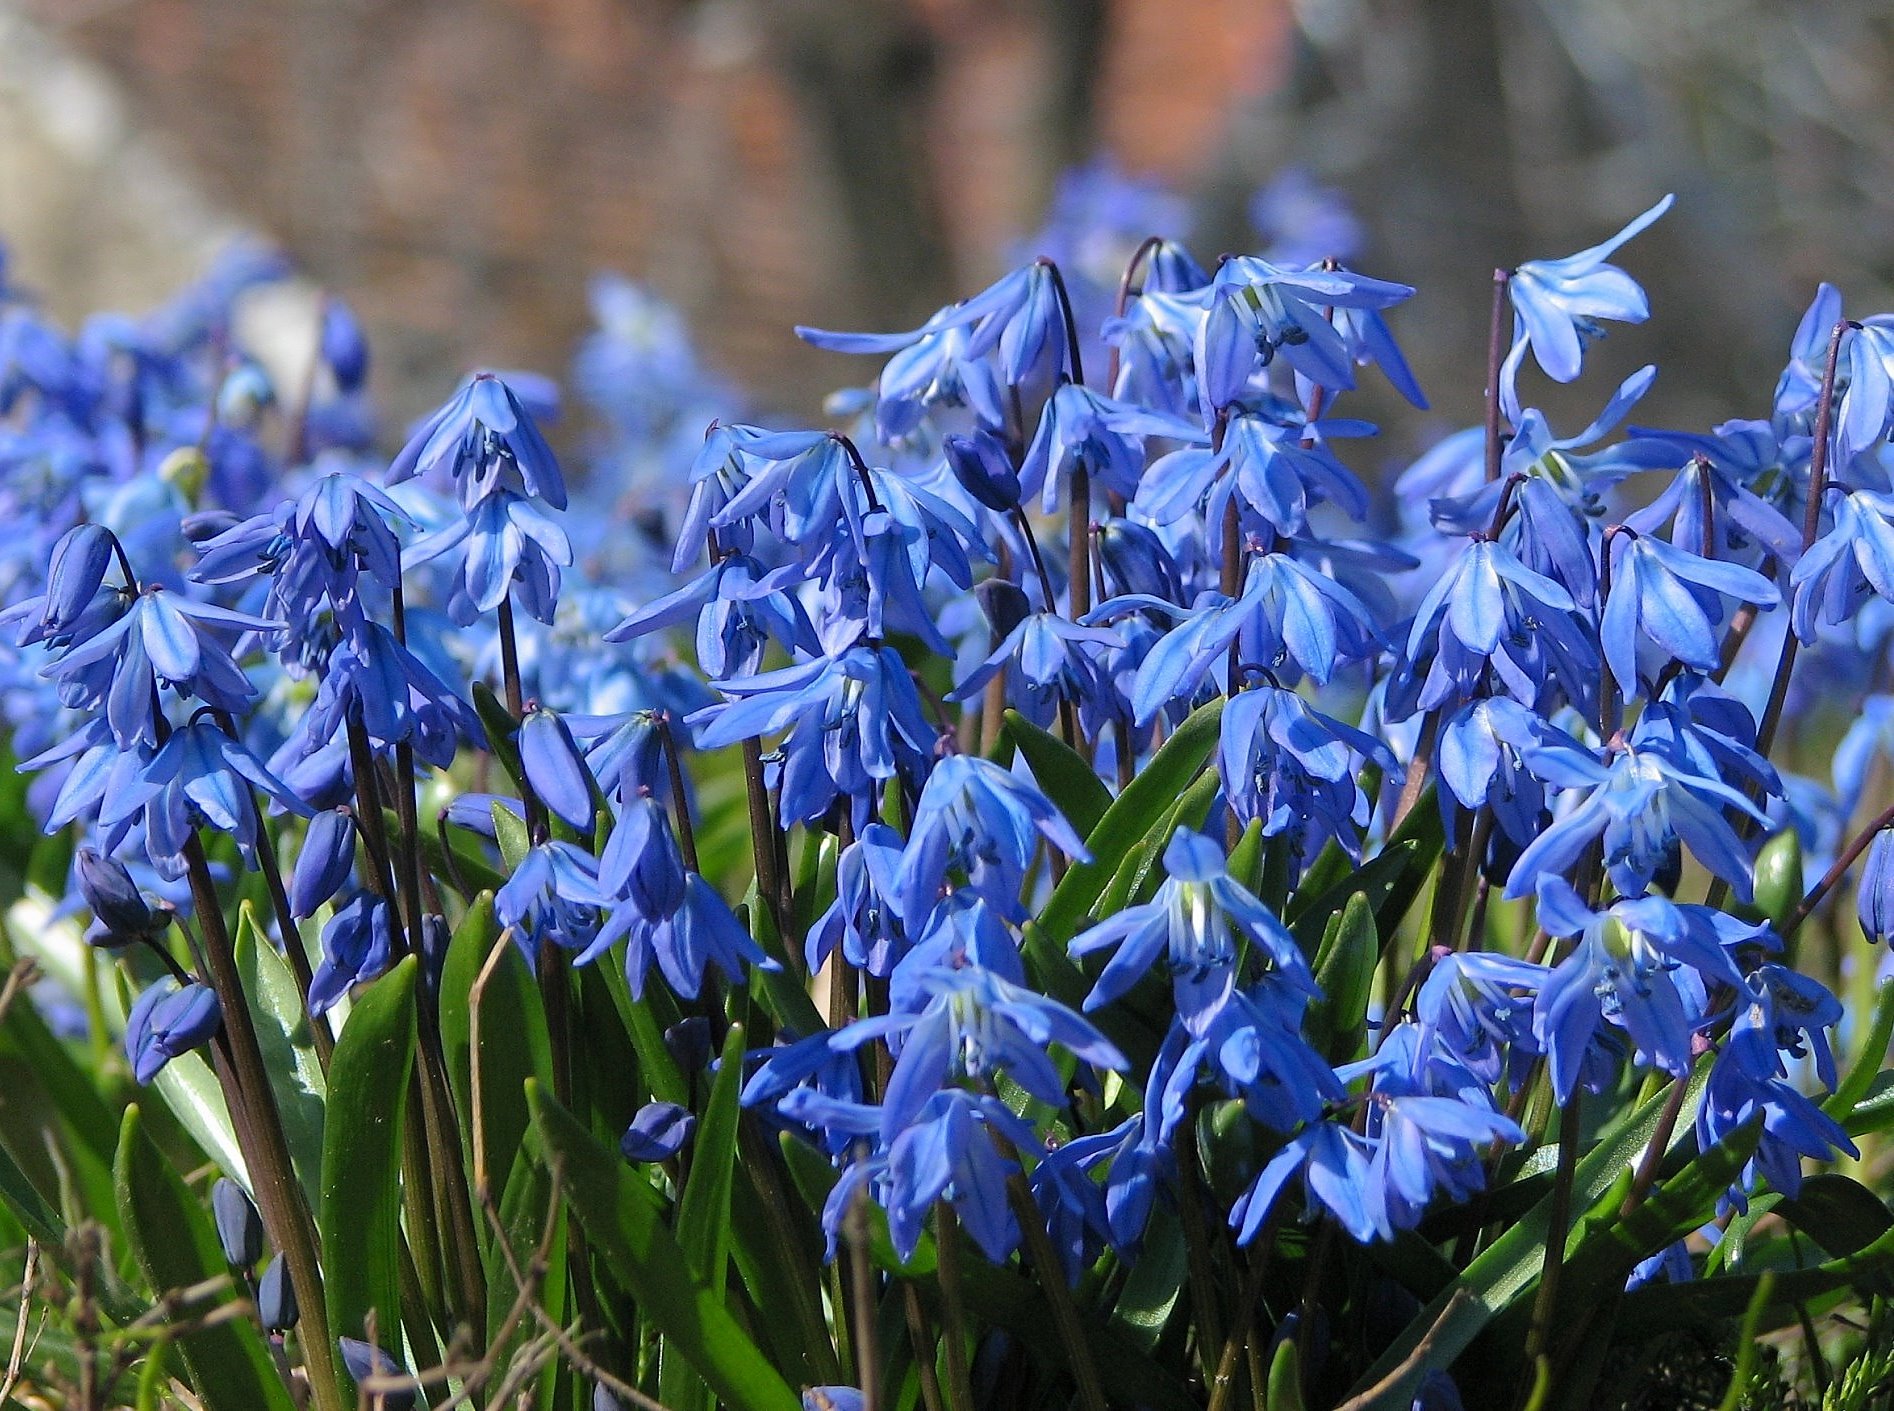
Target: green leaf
{"x": 1703, "y": 1302}
{"x": 514, "y": 1041}
{"x": 1344, "y": 968}
{"x": 1155, "y": 1284}
{"x": 1872, "y": 1112}
{"x": 1060, "y": 771}
{"x": 1864, "y": 1075}
{"x": 509, "y": 831}
{"x": 1840, "y": 1214}
{"x": 623, "y": 1217}
{"x": 1156, "y": 789}
{"x": 1511, "y": 1265}
{"x": 361, "y": 1156}
{"x": 50, "y": 1097}
{"x": 501, "y": 729}
{"x": 288, "y": 1045}
{"x": 524, "y": 1211}
{"x": 1285, "y": 1379}
{"x": 1379, "y": 879}
{"x": 175, "y": 1244}
{"x": 703, "y": 1216}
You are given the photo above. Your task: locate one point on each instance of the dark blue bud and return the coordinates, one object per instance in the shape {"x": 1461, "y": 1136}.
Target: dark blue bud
{"x": 1874, "y": 898}
{"x": 327, "y": 858}
{"x": 1136, "y": 561}
{"x": 1004, "y": 602}
{"x": 78, "y": 568}
{"x": 239, "y": 1227}
{"x": 344, "y": 347}
{"x": 167, "y": 1020}
{"x": 201, "y": 526}
{"x": 365, "y": 1360}
{"x": 1171, "y": 269}
{"x": 981, "y": 464}
{"x": 119, "y": 908}
{"x": 689, "y": 1043}
{"x": 556, "y": 769}
{"x": 276, "y": 1297}
{"x": 659, "y": 1131}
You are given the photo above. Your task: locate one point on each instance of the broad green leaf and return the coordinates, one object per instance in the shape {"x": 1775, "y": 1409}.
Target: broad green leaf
{"x": 1155, "y": 1284}
{"x": 451, "y": 863}
{"x": 1137, "y": 877}
{"x": 50, "y": 1097}
{"x": 501, "y": 729}
{"x": 175, "y": 1243}
{"x": 1840, "y": 1214}
{"x": 1285, "y": 1379}
{"x": 289, "y": 1053}
{"x": 1703, "y": 1302}
{"x": 1378, "y": 880}
{"x": 1344, "y": 968}
{"x": 524, "y": 1211}
{"x": 1512, "y": 1263}
{"x": 778, "y": 1251}
{"x": 623, "y": 1217}
{"x": 192, "y": 1093}
{"x": 1864, "y": 1077}
{"x": 703, "y": 1216}
{"x": 1156, "y": 788}
{"x": 509, "y": 831}
{"x": 514, "y": 1041}
{"x": 1060, "y": 771}
{"x": 361, "y": 1156}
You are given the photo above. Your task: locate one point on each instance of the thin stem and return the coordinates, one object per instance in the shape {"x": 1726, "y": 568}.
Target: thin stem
{"x": 538, "y": 827}
{"x": 680, "y": 804}
{"x": 1495, "y": 360}
{"x": 1065, "y": 1314}
{"x": 1654, "y": 1150}
{"x": 1075, "y": 364}
{"x": 1038, "y": 559}
{"x": 1545, "y": 1306}
{"x": 1223, "y": 1386}
{"x": 953, "y": 1307}
{"x": 1132, "y": 266}
{"x": 1862, "y": 840}
{"x": 1811, "y": 528}
{"x": 252, "y": 1103}
{"x": 862, "y": 1285}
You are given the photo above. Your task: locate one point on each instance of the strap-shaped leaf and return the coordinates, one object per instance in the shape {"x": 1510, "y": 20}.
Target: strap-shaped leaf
{"x": 175, "y": 1244}
{"x": 623, "y": 1218}
{"x": 1060, "y": 771}
{"x": 361, "y": 1156}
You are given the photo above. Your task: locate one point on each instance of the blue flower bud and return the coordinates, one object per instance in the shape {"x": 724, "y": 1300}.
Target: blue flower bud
{"x": 1874, "y": 898}
{"x": 119, "y": 909}
{"x": 365, "y": 1360}
{"x": 325, "y": 862}
{"x": 167, "y": 1020}
{"x": 556, "y": 769}
{"x": 660, "y": 1131}
{"x": 276, "y": 1297}
{"x": 79, "y": 563}
{"x": 1004, "y": 603}
{"x": 641, "y": 861}
{"x": 981, "y": 464}
{"x": 689, "y": 1043}
{"x": 239, "y": 1227}
{"x": 1136, "y": 561}
{"x": 344, "y": 348}
{"x": 357, "y": 945}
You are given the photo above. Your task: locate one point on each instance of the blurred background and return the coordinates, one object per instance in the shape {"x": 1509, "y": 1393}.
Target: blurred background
{"x": 459, "y": 169}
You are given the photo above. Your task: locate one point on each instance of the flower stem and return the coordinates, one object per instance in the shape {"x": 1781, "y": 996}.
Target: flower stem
{"x": 1065, "y": 1313}
{"x": 1545, "y": 1306}
{"x": 1495, "y": 360}
{"x": 247, "y": 1093}
{"x": 953, "y": 1307}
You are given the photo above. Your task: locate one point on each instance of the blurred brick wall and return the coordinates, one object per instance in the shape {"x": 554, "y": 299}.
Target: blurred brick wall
{"x": 458, "y": 167}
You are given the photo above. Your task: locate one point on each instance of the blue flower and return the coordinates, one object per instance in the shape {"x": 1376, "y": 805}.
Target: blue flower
{"x": 372, "y": 678}
{"x": 1048, "y": 659}
{"x": 1287, "y": 613}
{"x": 739, "y": 609}
{"x": 1874, "y": 894}
{"x": 855, "y": 721}
{"x": 325, "y": 862}
{"x": 984, "y": 468}
{"x": 485, "y": 439}
{"x": 1296, "y": 770}
{"x": 1265, "y": 463}
{"x": 659, "y": 1131}
{"x": 344, "y": 346}
{"x": 1747, "y": 1081}
{"x": 1644, "y": 803}
{"x": 1489, "y": 609}
{"x": 1479, "y": 1007}
{"x": 167, "y": 1020}
{"x": 357, "y": 945}
{"x": 365, "y": 1360}
{"x": 555, "y": 768}
{"x": 975, "y": 1025}
{"x": 1257, "y": 309}
{"x": 553, "y": 895}
{"x": 511, "y": 546}
{"x": 1642, "y": 965}
{"x": 201, "y": 777}
{"x": 1664, "y": 595}
{"x": 1559, "y": 304}
{"x": 864, "y": 920}
{"x": 700, "y": 932}
{"x": 1336, "y": 1170}
{"x": 164, "y": 639}
{"x": 976, "y": 818}
{"x": 1839, "y": 569}
{"x": 1197, "y": 922}
{"x": 1082, "y": 427}
{"x": 641, "y": 862}
{"x": 120, "y": 914}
